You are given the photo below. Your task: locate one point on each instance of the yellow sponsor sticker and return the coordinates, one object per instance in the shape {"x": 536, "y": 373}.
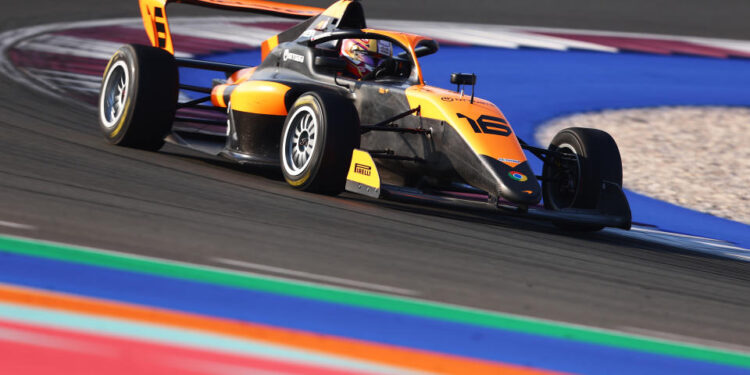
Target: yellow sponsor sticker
{"x": 363, "y": 177}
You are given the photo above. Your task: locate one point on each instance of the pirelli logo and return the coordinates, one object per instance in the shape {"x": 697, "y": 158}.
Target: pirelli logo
{"x": 362, "y": 169}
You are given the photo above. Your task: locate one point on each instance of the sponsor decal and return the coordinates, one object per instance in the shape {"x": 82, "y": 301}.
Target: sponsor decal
{"x": 528, "y": 192}
{"x": 504, "y": 160}
{"x": 467, "y": 99}
{"x": 362, "y": 169}
{"x": 309, "y": 33}
{"x": 293, "y": 56}
{"x": 518, "y": 176}
{"x": 385, "y": 48}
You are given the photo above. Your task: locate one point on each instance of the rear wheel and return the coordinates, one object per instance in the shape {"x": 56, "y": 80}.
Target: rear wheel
{"x": 138, "y": 98}
{"x": 575, "y": 177}
{"x": 317, "y": 141}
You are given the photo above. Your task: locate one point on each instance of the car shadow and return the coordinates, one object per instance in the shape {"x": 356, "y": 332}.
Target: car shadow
{"x": 472, "y": 214}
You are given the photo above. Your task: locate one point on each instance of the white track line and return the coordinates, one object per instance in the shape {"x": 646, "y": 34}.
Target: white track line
{"x": 228, "y": 271}
{"x": 10, "y": 224}
{"x": 316, "y": 277}
{"x": 70, "y": 45}
{"x": 490, "y": 35}
{"x": 467, "y": 38}
{"x": 736, "y": 45}
{"x": 725, "y": 246}
{"x": 694, "y": 239}
{"x": 68, "y": 81}
{"x": 75, "y": 46}
{"x": 656, "y": 231}
{"x": 730, "y": 44}
{"x": 687, "y": 242}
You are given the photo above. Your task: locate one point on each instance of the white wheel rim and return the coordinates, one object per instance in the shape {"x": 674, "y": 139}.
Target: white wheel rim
{"x": 568, "y": 146}
{"x": 300, "y": 139}
{"x": 229, "y": 119}
{"x": 115, "y": 94}
{"x": 572, "y": 150}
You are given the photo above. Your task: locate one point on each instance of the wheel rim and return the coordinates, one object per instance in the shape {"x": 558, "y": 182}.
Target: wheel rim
{"x": 300, "y": 140}
{"x": 115, "y": 94}
{"x": 566, "y": 177}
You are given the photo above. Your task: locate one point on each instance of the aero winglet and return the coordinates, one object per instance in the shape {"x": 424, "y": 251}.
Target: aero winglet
{"x": 363, "y": 175}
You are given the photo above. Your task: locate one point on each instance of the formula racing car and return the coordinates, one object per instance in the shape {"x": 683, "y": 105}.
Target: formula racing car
{"x": 341, "y": 107}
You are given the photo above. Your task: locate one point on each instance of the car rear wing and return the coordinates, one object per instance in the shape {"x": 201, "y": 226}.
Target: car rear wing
{"x": 156, "y": 25}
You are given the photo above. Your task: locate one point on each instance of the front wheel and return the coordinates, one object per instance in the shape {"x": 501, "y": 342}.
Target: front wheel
{"x": 574, "y": 175}
{"x": 317, "y": 141}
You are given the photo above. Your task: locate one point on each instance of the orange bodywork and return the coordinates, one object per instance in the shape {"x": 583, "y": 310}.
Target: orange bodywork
{"x": 241, "y": 76}
{"x": 217, "y": 94}
{"x": 445, "y": 105}
{"x": 155, "y": 23}
{"x": 260, "y": 97}
{"x": 268, "y": 45}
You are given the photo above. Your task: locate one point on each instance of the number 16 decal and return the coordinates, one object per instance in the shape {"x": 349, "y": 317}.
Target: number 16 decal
{"x": 488, "y": 125}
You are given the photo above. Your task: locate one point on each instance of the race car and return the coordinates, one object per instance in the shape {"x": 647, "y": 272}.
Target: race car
{"x": 341, "y": 107}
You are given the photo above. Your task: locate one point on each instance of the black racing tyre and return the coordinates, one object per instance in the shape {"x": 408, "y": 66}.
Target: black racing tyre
{"x": 138, "y": 98}
{"x": 575, "y": 181}
{"x": 319, "y": 135}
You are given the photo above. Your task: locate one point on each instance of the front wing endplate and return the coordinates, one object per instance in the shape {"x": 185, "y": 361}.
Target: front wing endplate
{"x": 363, "y": 177}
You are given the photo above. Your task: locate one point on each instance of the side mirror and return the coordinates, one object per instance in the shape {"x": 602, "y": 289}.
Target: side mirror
{"x": 426, "y": 47}
{"x": 333, "y": 63}
{"x": 463, "y": 79}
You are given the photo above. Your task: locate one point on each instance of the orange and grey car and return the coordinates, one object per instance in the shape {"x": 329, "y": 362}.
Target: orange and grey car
{"x": 387, "y": 134}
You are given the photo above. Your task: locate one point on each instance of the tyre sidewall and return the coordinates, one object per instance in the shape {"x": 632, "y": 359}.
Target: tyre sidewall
{"x": 599, "y": 160}
{"x": 115, "y": 134}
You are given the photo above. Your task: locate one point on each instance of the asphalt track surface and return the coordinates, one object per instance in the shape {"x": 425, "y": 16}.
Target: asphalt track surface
{"x": 61, "y": 179}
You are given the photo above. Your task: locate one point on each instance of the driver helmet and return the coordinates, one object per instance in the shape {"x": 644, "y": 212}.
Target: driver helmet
{"x": 364, "y": 55}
